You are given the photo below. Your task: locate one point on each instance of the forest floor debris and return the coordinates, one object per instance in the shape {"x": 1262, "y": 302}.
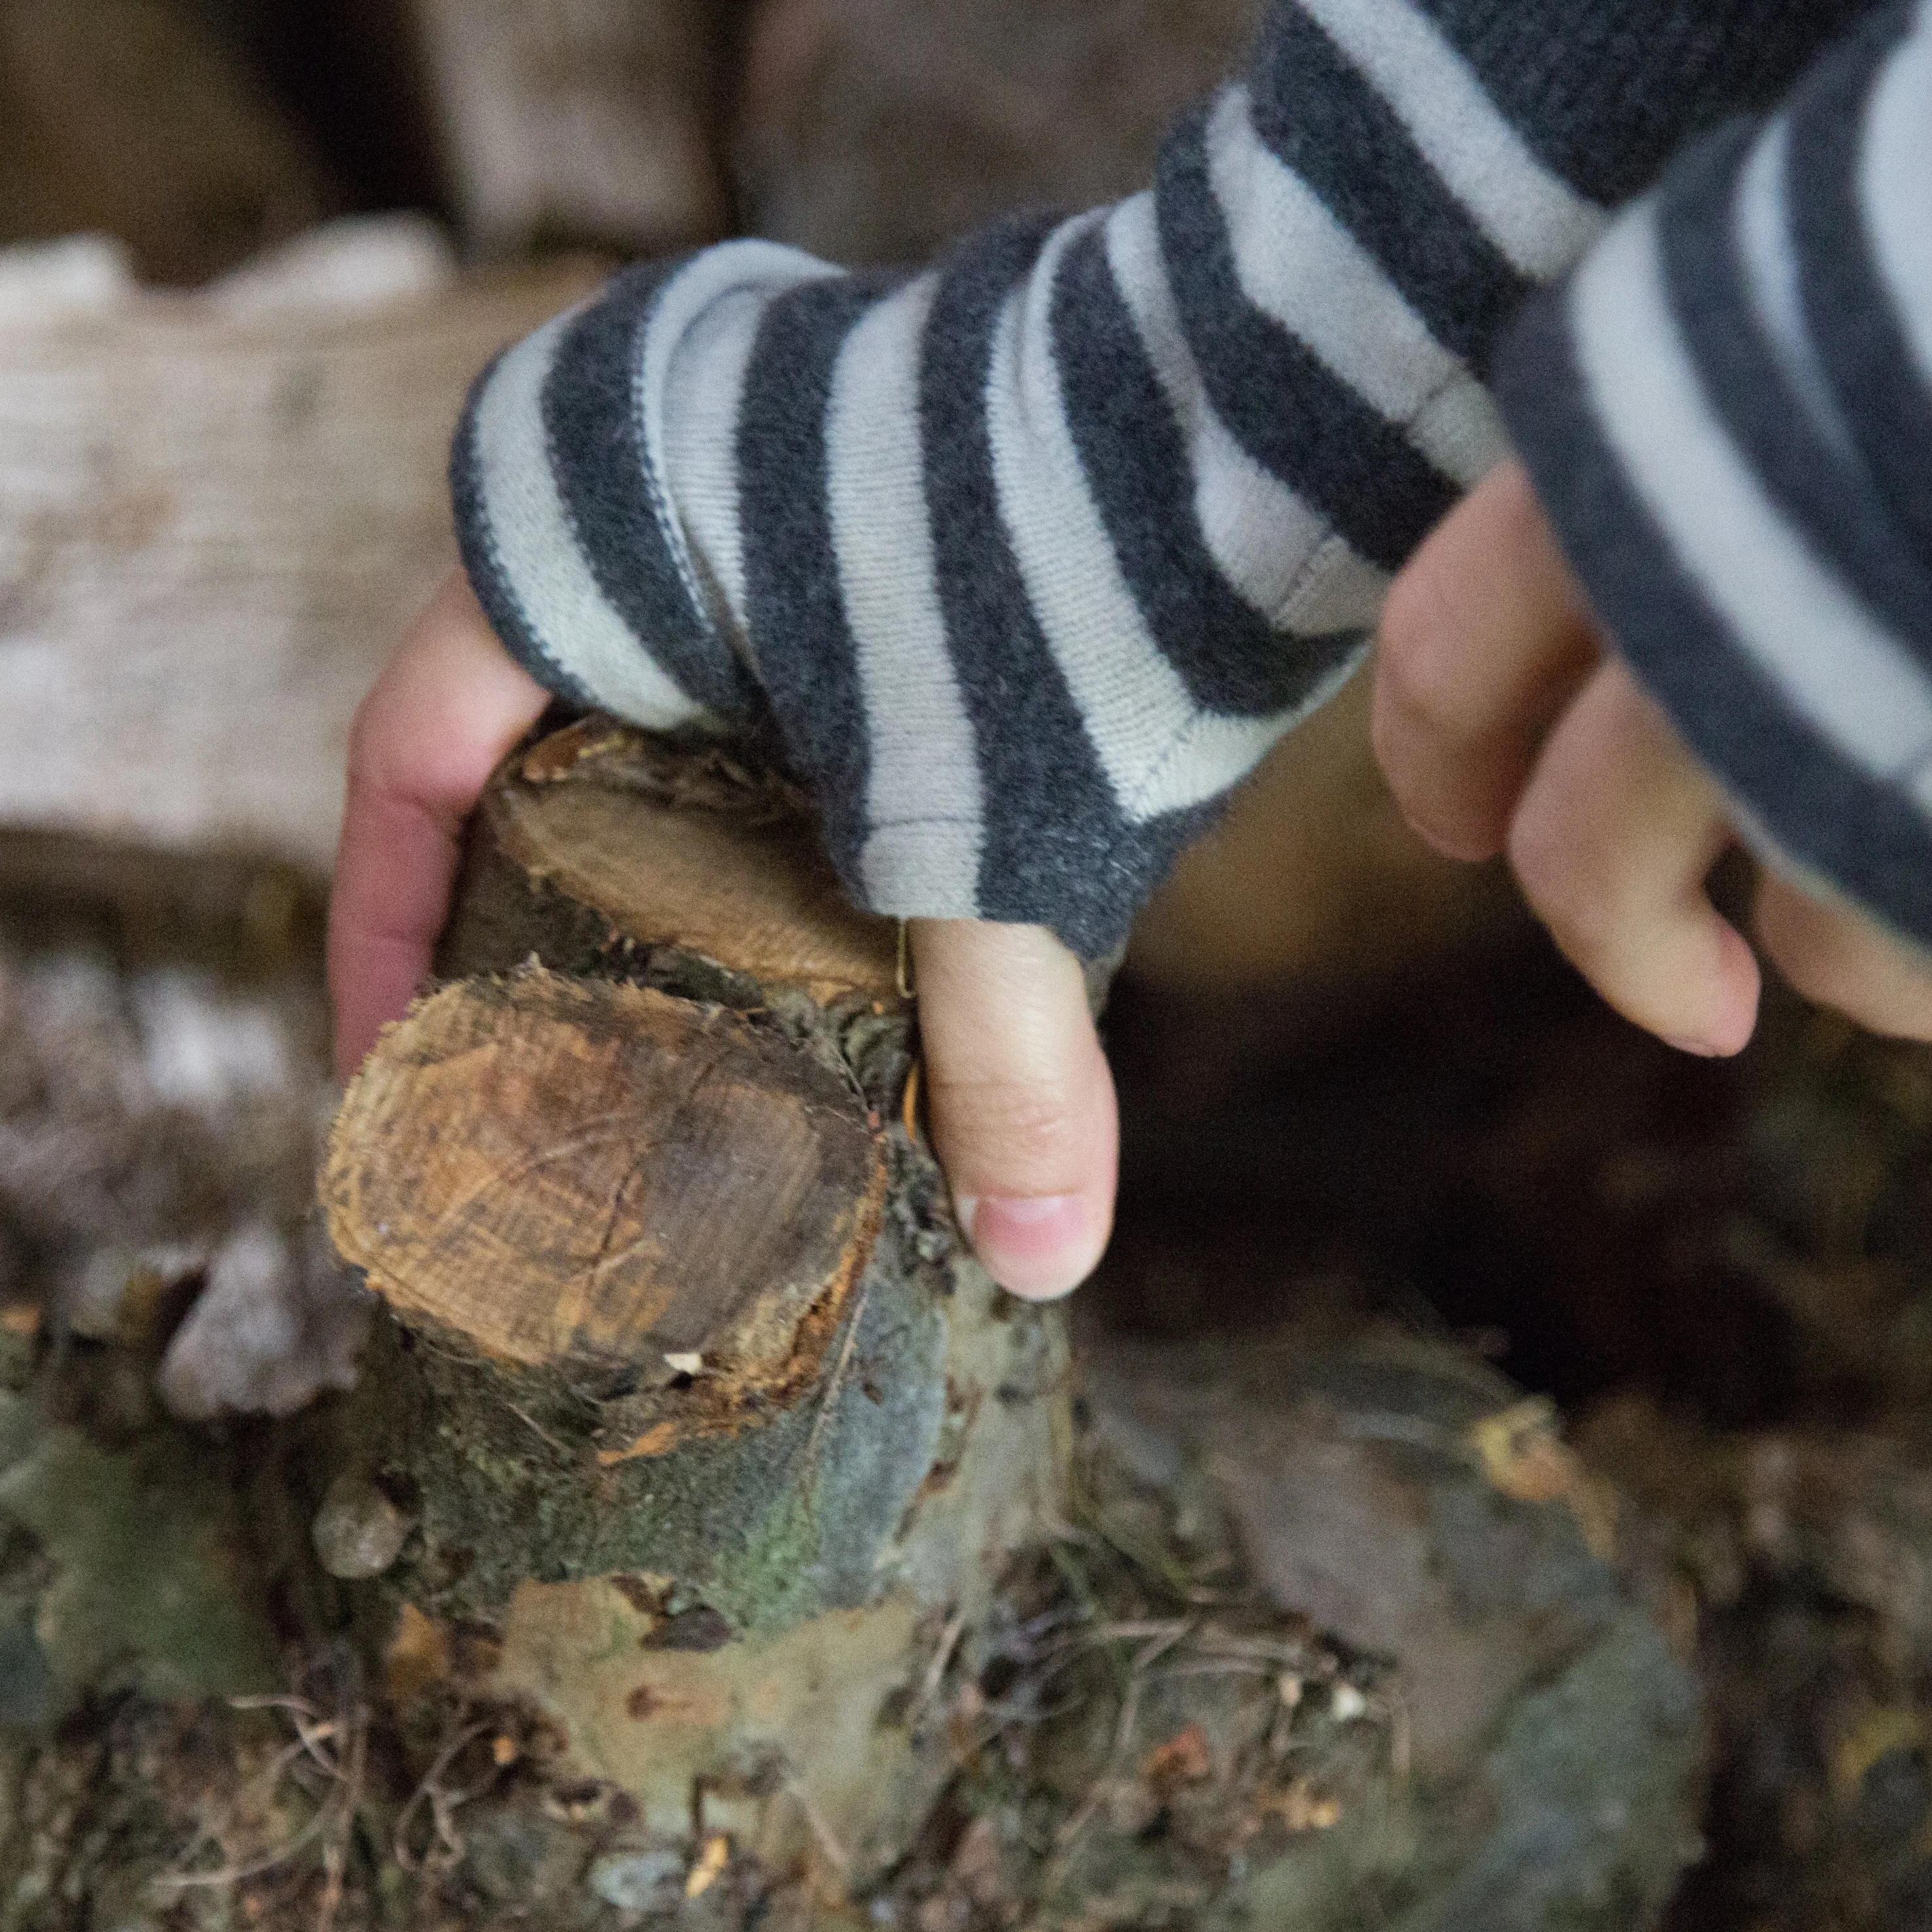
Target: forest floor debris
{"x": 1762, "y": 1409}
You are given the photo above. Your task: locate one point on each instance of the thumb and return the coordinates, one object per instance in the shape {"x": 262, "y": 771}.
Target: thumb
{"x": 1021, "y": 1101}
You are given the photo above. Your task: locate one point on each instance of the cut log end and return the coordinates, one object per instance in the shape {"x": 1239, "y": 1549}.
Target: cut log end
{"x": 594, "y": 1176}
{"x": 663, "y": 846}
{"x": 622, "y": 1146}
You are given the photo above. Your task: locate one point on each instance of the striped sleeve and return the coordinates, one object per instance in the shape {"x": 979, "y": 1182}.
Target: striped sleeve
{"x": 1728, "y": 412}
{"x": 1030, "y": 557}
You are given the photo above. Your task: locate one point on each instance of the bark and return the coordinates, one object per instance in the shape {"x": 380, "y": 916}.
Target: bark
{"x": 218, "y": 513}
{"x": 690, "y": 1428}
{"x": 700, "y": 1381}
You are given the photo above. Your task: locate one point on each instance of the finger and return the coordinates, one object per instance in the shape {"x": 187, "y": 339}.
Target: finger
{"x": 1832, "y": 955}
{"x": 447, "y": 707}
{"x": 1021, "y": 1100}
{"x": 1483, "y": 638}
{"x": 1611, "y": 841}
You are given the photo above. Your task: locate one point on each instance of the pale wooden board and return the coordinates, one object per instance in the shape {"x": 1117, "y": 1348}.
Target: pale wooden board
{"x": 218, "y": 513}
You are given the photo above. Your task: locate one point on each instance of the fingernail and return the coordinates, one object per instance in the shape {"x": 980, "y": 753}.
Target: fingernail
{"x": 1039, "y": 1246}
{"x": 1685, "y": 1044}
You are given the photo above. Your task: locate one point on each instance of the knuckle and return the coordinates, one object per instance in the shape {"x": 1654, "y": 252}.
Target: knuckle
{"x": 1415, "y": 673}
{"x": 1029, "y": 1128}
{"x": 367, "y": 762}
{"x": 1561, "y": 889}
{"x": 1424, "y": 692}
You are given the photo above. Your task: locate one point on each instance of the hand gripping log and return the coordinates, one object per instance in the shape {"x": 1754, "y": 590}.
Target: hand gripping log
{"x": 692, "y": 1430}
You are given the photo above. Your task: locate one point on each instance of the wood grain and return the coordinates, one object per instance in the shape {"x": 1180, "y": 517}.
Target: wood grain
{"x": 218, "y": 513}
{"x": 595, "y": 814}
{"x": 557, "y": 1171}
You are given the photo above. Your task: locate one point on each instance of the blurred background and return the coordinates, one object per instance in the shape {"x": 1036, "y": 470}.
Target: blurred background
{"x": 252, "y": 252}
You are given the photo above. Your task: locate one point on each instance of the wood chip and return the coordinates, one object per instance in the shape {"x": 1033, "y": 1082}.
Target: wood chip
{"x": 1184, "y": 1759}
{"x": 704, "y": 1874}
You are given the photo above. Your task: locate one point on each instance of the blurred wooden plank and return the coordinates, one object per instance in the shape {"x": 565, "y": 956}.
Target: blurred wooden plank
{"x": 217, "y": 513}
{"x": 875, "y": 130}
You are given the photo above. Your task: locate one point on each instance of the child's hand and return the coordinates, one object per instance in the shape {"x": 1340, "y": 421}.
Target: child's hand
{"x": 447, "y": 707}
{"x": 1500, "y": 726}
{"x": 1020, "y": 1101}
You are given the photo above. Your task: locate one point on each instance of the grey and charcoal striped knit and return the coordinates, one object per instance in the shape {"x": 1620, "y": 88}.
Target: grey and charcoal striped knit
{"x": 1031, "y": 556}
{"x": 1729, "y": 416}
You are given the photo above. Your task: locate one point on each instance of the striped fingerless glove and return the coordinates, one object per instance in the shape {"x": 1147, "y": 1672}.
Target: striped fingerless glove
{"x": 1030, "y": 557}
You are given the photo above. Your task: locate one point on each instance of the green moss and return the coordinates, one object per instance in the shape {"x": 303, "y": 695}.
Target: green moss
{"x": 148, "y": 1583}
{"x": 782, "y": 1522}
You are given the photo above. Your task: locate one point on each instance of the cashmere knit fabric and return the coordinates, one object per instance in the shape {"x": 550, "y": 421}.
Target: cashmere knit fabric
{"x": 1030, "y": 557}
{"x": 1728, "y": 414}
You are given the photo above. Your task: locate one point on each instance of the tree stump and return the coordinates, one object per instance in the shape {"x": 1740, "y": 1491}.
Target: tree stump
{"x": 691, "y": 1433}
{"x": 686, "y": 1371}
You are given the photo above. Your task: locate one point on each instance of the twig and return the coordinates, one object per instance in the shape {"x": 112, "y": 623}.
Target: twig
{"x": 335, "y": 1846}
{"x": 234, "y": 1874}
{"x": 442, "y": 1805}
{"x": 827, "y": 1842}
{"x": 334, "y": 1815}
{"x": 1172, "y": 1628}
{"x": 535, "y": 1427}
{"x": 1222, "y": 1666}
{"x": 1156, "y": 1647}
{"x": 935, "y": 1671}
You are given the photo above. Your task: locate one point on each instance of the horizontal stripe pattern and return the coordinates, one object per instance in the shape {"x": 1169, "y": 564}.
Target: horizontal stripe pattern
{"x": 1532, "y": 217}
{"x": 1606, "y": 95}
{"x": 793, "y": 596}
{"x": 1029, "y": 559}
{"x": 1764, "y": 241}
{"x": 1278, "y": 553}
{"x": 629, "y": 541}
{"x": 1052, "y": 826}
{"x": 1753, "y": 545}
{"x": 1298, "y": 266}
{"x": 1861, "y": 141}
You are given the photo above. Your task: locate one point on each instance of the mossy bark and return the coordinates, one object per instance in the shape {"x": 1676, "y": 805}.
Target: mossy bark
{"x": 695, "y": 1400}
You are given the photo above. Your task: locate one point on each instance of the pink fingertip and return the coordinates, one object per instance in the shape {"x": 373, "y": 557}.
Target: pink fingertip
{"x": 1039, "y": 1248}
{"x": 1702, "y": 1048}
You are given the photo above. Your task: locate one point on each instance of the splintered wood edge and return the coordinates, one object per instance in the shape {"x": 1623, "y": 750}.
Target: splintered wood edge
{"x": 729, "y": 872}
{"x": 562, "y": 1172}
